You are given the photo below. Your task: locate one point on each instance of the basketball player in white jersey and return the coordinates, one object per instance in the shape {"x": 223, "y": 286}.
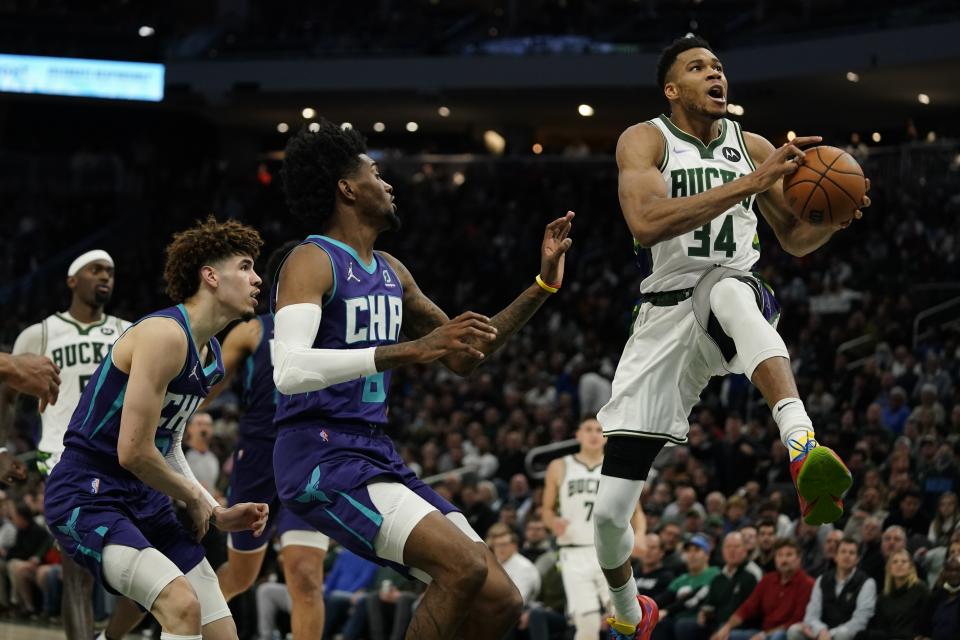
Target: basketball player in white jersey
{"x": 572, "y": 482}
{"x": 687, "y": 187}
{"x": 76, "y": 340}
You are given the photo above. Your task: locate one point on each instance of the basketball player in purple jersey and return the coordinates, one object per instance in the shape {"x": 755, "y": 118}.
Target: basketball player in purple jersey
{"x": 340, "y": 309}
{"x": 246, "y": 353}
{"x": 108, "y": 499}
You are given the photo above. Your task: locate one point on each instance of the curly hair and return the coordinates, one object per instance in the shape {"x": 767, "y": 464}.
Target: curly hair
{"x": 669, "y": 55}
{"x": 203, "y": 244}
{"x": 313, "y": 163}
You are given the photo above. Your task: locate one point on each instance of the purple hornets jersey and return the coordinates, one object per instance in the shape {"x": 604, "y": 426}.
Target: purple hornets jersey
{"x": 259, "y": 396}
{"x": 95, "y": 425}
{"x": 364, "y": 309}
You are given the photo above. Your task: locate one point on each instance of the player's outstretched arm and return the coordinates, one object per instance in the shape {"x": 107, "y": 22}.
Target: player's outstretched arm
{"x": 423, "y": 319}
{"x": 237, "y": 347}
{"x": 795, "y": 236}
{"x": 653, "y": 217}
{"x": 153, "y": 352}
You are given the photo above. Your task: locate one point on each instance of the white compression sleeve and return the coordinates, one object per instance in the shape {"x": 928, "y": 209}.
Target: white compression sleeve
{"x": 178, "y": 462}
{"x": 298, "y": 367}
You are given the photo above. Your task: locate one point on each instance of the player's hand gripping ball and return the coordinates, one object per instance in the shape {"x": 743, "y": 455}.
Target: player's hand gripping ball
{"x": 827, "y": 189}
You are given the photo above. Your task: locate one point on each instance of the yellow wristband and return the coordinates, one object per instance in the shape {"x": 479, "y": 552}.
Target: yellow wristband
{"x": 546, "y": 287}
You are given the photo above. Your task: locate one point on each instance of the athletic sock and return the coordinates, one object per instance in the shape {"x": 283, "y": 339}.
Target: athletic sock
{"x": 625, "y": 604}
{"x": 102, "y": 636}
{"x": 172, "y": 636}
{"x": 796, "y": 428}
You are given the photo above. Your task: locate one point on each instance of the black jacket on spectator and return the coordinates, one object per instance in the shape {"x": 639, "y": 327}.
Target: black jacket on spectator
{"x": 897, "y": 616}
{"x": 727, "y": 593}
{"x": 839, "y": 609}
{"x": 34, "y": 541}
{"x": 919, "y": 524}
{"x": 873, "y": 563}
{"x": 941, "y": 620}
{"x": 655, "y": 583}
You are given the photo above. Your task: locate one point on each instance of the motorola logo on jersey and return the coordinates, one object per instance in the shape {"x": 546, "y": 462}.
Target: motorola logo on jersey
{"x": 373, "y": 318}
{"x": 731, "y": 154}
{"x": 107, "y": 331}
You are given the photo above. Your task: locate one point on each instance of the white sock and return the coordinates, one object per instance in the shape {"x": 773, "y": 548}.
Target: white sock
{"x": 102, "y": 636}
{"x": 796, "y": 428}
{"x": 625, "y": 603}
{"x": 172, "y": 636}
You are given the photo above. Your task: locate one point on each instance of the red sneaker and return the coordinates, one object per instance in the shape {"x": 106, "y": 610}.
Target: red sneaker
{"x": 821, "y": 479}
{"x": 651, "y": 616}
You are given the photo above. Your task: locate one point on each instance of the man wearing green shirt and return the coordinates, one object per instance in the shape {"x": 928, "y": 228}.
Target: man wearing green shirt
{"x": 688, "y": 591}
{"x": 727, "y": 591}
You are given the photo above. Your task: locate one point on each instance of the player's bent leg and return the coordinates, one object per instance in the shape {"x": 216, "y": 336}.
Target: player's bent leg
{"x": 77, "y": 600}
{"x": 457, "y": 567}
{"x": 213, "y": 606}
{"x": 240, "y": 571}
{"x": 498, "y": 605}
{"x": 153, "y": 581}
{"x": 303, "y": 569}
{"x": 626, "y": 463}
{"x": 819, "y": 474}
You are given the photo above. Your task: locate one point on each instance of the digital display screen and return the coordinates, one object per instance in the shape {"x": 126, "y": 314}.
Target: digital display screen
{"x": 81, "y": 77}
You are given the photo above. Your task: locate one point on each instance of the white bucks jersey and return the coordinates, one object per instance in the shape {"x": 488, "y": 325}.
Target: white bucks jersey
{"x": 78, "y": 350}
{"x": 689, "y": 167}
{"x": 578, "y": 494}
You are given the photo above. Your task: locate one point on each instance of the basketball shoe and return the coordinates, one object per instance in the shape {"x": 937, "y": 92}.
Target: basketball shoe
{"x": 821, "y": 479}
{"x": 651, "y": 615}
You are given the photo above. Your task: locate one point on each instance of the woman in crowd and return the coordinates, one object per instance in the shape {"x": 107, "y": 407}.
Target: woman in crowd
{"x": 903, "y": 597}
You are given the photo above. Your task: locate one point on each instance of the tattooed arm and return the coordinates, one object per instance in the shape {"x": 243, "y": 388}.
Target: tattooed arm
{"x": 421, "y": 315}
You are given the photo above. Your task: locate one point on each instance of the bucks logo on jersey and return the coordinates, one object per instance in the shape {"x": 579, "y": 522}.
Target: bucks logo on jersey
{"x": 690, "y": 167}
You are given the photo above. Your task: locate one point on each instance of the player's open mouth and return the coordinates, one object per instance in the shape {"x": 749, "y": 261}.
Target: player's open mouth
{"x": 103, "y": 289}
{"x": 716, "y": 94}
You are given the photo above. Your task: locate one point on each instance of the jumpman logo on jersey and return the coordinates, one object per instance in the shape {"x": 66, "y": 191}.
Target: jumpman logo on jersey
{"x": 193, "y": 374}
{"x": 350, "y": 273}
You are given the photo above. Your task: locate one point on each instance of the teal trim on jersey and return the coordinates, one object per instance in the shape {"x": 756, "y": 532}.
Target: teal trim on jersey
{"x": 210, "y": 368}
{"x": 96, "y": 389}
{"x": 117, "y": 405}
{"x": 373, "y": 516}
{"x": 347, "y": 527}
{"x": 100, "y": 531}
{"x": 333, "y": 291}
{"x": 743, "y": 145}
{"x": 263, "y": 335}
{"x": 248, "y": 373}
{"x": 372, "y": 267}
{"x": 706, "y": 151}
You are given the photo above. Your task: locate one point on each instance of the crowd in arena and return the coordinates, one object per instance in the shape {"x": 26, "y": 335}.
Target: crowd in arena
{"x": 724, "y": 549}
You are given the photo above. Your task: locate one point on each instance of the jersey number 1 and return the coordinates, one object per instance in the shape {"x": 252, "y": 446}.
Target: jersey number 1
{"x": 724, "y": 242}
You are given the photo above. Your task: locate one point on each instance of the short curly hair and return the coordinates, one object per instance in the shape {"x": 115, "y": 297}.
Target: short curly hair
{"x": 206, "y": 242}
{"x": 669, "y": 55}
{"x": 313, "y": 163}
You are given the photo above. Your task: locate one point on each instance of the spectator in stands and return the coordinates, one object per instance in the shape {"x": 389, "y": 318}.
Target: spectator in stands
{"x": 671, "y": 538}
{"x": 934, "y": 559}
{"x": 946, "y": 522}
{"x": 735, "y": 516}
{"x": 766, "y": 543}
{"x": 503, "y": 541}
{"x": 941, "y": 619}
{"x": 869, "y": 504}
{"x": 894, "y": 539}
{"x": 899, "y": 607}
{"x": 829, "y": 549}
{"x": 728, "y": 590}
{"x": 908, "y": 515}
{"x": 536, "y": 542}
{"x": 394, "y": 600}
{"x": 203, "y": 462}
{"x": 19, "y": 564}
{"x": 652, "y": 577}
{"x": 687, "y": 591}
{"x": 343, "y": 588}
{"x": 842, "y": 601}
{"x": 482, "y": 461}
{"x": 478, "y": 513}
{"x": 779, "y": 600}
{"x": 686, "y": 500}
{"x": 896, "y": 411}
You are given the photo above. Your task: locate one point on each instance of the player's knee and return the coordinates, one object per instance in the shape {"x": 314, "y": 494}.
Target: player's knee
{"x": 177, "y": 606}
{"x": 305, "y": 581}
{"x": 609, "y": 520}
{"x": 467, "y": 572}
{"x": 730, "y": 298}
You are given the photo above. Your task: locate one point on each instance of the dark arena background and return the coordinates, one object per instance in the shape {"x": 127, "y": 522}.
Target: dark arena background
{"x": 491, "y": 118}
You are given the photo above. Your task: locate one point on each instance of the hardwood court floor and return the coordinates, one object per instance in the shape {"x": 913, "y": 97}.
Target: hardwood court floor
{"x": 26, "y": 631}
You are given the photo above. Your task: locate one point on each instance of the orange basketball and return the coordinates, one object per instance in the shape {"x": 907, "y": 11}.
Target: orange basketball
{"x": 827, "y": 188}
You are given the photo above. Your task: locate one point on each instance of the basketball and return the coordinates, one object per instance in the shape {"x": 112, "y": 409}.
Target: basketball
{"x": 827, "y": 188}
